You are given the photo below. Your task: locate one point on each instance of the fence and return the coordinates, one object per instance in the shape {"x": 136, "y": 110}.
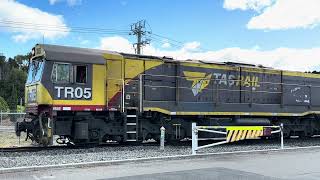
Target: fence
{"x": 234, "y": 133}
{"x": 9, "y": 118}
{"x": 8, "y": 137}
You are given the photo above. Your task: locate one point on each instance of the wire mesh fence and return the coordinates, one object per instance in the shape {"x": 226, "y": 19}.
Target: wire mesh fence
{"x": 8, "y": 136}
{"x": 11, "y": 106}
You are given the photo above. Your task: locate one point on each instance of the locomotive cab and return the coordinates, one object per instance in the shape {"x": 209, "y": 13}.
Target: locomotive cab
{"x": 58, "y": 84}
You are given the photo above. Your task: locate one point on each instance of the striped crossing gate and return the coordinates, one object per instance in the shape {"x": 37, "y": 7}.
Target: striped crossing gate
{"x": 234, "y": 133}
{"x": 245, "y": 132}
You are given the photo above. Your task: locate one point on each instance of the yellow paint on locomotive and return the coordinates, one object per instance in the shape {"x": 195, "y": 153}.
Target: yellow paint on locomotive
{"x": 114, "y": 75}
{"x": 199, "y": 80}
{"x": 248, "y": 81}
{"x": 252, "y": 70}
{"x": 122, "y": 70}
{"x": 184, "y": 113}
{"x": 133, "y": 67}
{"x": 42, "y": 95}
{"x": 98, "y": 89}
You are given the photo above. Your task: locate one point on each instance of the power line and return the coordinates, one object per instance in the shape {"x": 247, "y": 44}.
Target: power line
{"x": 161, "y": 43}
{"x": 175, "y": 42}
{"x": 138, "y": 29}
{"x": 170, "y": 39}
{"x": 64, "y": 30}
{"x": 45, "y": 27}
{"x": 58, "y": 27}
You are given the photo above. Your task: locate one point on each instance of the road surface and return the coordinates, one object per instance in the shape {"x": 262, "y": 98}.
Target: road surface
{"x": 293, "y": 164}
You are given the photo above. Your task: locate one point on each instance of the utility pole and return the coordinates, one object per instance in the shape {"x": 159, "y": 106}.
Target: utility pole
{"x": 138, "y": 29}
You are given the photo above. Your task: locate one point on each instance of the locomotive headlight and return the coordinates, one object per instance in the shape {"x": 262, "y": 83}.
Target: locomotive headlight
{"x": 38, "y": 51}
{"x": 33, "y": 52}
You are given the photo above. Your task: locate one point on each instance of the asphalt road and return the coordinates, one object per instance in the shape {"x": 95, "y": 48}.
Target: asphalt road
{"x": 294, "y": 164}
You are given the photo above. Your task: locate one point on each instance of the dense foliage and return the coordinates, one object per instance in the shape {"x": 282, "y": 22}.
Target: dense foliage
{"x": 13, "y": 74}
{"x": 3, "y": 105}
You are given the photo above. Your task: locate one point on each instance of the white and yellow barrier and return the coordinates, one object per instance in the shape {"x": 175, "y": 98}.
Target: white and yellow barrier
{"x": 234, "y": 133}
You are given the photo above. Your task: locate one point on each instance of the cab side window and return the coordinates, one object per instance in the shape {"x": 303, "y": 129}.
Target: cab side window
{"x": 81, "y": 74}
{"x": 61, "y": 73}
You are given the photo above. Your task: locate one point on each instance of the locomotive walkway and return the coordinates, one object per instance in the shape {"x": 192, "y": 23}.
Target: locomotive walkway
{"x": 288, "y": 164}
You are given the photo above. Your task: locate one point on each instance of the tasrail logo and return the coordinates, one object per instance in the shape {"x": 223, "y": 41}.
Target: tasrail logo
{"x": 199, "y": 81}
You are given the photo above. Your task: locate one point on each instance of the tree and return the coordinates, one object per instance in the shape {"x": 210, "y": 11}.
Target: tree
{"x": 3, "y": 105}
{"x": 12, "y": 63}
{"x": 16, "y": 85}
{"x": 12, "y": 82}
{"x": 23, "y": 61}
{"x": 13, "y": 98}
{"x": 2, "y": 64}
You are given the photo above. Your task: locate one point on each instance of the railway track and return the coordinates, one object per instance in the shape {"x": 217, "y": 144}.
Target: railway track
{"x": 128, "y": 144}
{"x": 70, "y": 147}
{"x": 31, "y": 148}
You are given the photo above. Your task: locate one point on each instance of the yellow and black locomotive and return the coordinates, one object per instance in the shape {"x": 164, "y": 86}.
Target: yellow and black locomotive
{"x": 85, "y": 96}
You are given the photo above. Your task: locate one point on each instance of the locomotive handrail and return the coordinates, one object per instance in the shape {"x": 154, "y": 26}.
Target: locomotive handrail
{"x": 218, "y": 88}
{"x": 223, "y": 127}
{"x": 235, "y": 80}
{"x": 141, "y": 93}
{"x": 232, "y": 80}
{"x": 251, "y": 90}
{"x": 122, "y": 100}
{"x": 195, "y": 102}
{"x": 210, "y": 89}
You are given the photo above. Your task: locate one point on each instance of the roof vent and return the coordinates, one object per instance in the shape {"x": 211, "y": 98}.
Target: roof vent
{"x": 167, "y": 57}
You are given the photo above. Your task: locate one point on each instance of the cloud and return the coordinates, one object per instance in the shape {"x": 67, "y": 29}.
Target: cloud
{"x": 69, "y": 2}
{"x": 279, "y": 14}
{"x": 24, "y": 22}
{"x": 280, "y": 58}
{"x": 288, "y": 14}
{"x": 166, "y": 45}
{"x": 116, "y": 43}
{"x": 256, "y": 5}
{"x": 52, "y": 2}
{"x": 191, "y": 45}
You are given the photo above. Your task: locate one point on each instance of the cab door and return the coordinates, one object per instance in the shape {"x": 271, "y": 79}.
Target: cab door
{"x": 115, "y": 83}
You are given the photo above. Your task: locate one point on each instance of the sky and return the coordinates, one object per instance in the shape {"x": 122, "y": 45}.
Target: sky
{"x": 282, "y": 34}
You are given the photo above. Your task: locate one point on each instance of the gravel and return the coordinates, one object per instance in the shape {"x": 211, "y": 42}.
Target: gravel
{"x": 60, "y": 156}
